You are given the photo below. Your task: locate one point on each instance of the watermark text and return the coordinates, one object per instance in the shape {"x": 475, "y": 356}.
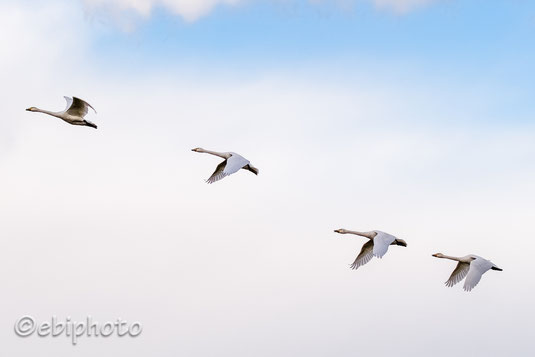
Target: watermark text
{"x": 27, "y": 326}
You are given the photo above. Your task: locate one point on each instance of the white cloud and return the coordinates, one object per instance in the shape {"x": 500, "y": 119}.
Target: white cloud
{"x": 191, "y": 10}
{"x": 401, "y": 6}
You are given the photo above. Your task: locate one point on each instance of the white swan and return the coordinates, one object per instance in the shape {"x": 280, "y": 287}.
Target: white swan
{"x": 233, "y": 163}
{"x": 73, "y": 114}
{"x": 376, "y": 246}
{"x": 470, "y": 266}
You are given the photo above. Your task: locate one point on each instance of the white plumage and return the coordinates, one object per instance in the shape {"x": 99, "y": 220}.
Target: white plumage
{"x": 381, "y": 242}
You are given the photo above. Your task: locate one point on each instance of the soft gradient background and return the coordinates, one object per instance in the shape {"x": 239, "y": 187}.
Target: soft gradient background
{"x": 413, "y": 117}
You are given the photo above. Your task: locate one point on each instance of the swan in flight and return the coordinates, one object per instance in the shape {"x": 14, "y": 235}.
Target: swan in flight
{"x": 233, "y": 163}
{"x": 470, "y": 266}
{"x": 376, "y": 246}
{"x": 73, "y": 114}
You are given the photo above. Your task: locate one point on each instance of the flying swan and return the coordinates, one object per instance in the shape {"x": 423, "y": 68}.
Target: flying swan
{"x": 233, "y": 163}
{"x": 376, "y": 246}
{"x": 470, "y": 266}
{"x": 73, "y": 114}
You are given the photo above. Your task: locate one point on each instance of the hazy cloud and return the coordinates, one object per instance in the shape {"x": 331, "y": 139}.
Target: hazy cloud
{"x": 191, "y": 10}
{"x": 400, "y": 6}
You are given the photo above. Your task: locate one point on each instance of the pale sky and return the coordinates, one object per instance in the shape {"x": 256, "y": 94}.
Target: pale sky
{"x": 410, "y": 117}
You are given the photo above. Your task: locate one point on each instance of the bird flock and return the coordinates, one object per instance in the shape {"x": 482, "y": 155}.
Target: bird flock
{"x": 471, "y": 267}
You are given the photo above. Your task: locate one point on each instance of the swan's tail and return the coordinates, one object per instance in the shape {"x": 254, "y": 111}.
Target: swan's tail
{"x": 88, "y": 123}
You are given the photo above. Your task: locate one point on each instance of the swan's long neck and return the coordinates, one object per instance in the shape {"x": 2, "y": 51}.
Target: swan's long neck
{"x": 220, "y": 154}
{"x": 457, "y": 259}
{"x": 54, "y": 114}
{"x": 369, "y": 235}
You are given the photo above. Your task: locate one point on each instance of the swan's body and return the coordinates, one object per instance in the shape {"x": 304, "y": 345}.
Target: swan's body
{"x": 470, "y": 266}
{"x": 232, "y": 163}
{"x": 376, "y": 246}
{"x": 73, "y": 114}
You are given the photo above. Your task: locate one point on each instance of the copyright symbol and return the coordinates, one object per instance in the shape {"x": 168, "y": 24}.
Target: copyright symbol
{"x": 25, "y": 326}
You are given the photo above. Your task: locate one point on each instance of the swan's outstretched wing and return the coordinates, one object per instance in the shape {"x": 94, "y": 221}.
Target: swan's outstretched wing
{"x": 365, "y": 255}
{"x": 218, "y": 173}
{"x": 69, "y": 103}
{"x": 77, "y": 107}
{"x": 458, "y": 274}
{"x": 381, "y": 242}
{"x": 231, "y": 165}
{"x": 478, "y": 267}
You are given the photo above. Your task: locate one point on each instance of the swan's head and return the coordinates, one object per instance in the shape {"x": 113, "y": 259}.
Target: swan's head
{"x": 32, "y": 109}
{"x": 438, "y": 255}
{"x": 198, "y": 149}
{"x": 341, "y": 231}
